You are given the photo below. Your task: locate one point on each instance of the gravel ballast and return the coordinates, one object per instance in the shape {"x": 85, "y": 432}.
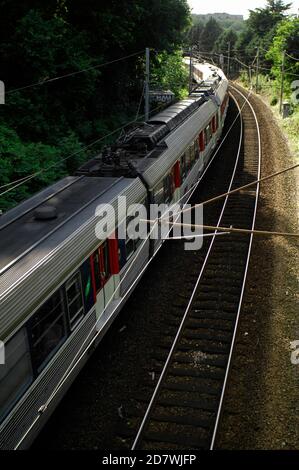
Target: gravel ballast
{"x": 261, "y": 407}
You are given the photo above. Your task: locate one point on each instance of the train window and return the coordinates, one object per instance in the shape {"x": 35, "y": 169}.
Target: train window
{"x": 47, "y": 330}
{"x": 74, "y": 298}
{"x": 104, "y": 263}
{"x": 183, "y": 167}
{"x": 202, "y": 141}
{"x": 121, "y": 253}
{"x": 16, "y": 374}
{"x": 188, "y": 158}
{"x": 176, "y": 174}
{"x": 206, "y": 137}
{"x": 87, "y": 285}
{"x": 208, "y": 134}
{"x": 126, "y": 248}
{"x": 168, "y": 188}
{"x": 96, "y": 267}
{"x": 192, "y": 154}
{"x": 196, "y": 149}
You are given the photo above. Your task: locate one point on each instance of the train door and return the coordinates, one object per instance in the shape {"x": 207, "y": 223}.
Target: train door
{"x": 106, "y": 274}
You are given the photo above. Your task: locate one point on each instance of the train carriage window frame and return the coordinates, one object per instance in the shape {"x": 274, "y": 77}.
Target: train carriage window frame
{"x": 16, "y": 375}
{"x": 188, "y": 159}
{"x": 121, "y": 253}
{"x": 39, "y": 357}
{"x": 87, "y": 284}
{"x": 76, "y": 317}
{"x": 208, "y": 134}
{"x": 192, "y": 155}
{"x": 196, "y": 149}
{"x": 183, "y": 167}
{"x": 105, "y": 267}
{"x": 96, "y": 268}
{"x": 168, "y": 185}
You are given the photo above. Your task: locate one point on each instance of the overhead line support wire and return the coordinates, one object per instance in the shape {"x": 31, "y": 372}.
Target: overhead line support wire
{"x": 42, "y": 82}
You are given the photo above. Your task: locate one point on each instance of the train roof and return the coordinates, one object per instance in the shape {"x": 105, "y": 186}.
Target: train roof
{"x": 148, "y": 149}
{"x": 175, "y": 144}
{"x": 176, "y": 113}
{"x": 22, "y": 229}
{"x": 35, "y": 253}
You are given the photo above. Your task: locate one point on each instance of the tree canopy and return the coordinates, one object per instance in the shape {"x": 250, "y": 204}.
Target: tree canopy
{"x": 41, "y": 125}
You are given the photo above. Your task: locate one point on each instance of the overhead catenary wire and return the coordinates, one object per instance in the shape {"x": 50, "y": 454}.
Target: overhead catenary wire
{"x": 16, "y": 181}
{"x": 241, "y": 188}
{"x": 237, "y": 59}
{"x": 291, "y": 57}
{"x": 49, "y": 80}
{"x": 221, "y": 229}
{"x": 140, "y": 101}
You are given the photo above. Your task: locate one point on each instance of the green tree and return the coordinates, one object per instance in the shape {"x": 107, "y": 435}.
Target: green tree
{"x": 169, "y": 72}
{"x": 210, "y": 34}
{"x": 193, "y": 35}
{"x": 286, "y": 39}
{"x": 262, "y": 20}
{"x": 260, "y": 30}
{"x": 227, "y": 37}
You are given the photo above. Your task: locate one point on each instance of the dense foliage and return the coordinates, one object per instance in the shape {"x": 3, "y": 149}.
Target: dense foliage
{"x": 268, "y": 30}
{"x": 41, "y": 125}
{"x": 286, "y": 39}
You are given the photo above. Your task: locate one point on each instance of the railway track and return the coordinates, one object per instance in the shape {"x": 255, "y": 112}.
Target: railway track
{"x": 192, "y": 362}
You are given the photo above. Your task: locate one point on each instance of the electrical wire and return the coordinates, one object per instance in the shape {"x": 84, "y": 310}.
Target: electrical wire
{"x": 291, "y": 57}
{"x": 15, "y": 181}
{"x": 42, "y": 82}
{"x": 139, "y": 105}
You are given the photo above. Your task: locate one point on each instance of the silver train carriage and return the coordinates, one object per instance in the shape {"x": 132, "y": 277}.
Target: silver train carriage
{"x": 60, "y": 286}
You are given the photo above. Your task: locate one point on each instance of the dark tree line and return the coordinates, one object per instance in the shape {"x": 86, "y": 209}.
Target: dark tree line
{"x": 41, "y": 40}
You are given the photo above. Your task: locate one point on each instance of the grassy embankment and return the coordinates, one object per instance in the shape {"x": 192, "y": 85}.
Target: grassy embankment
{"x": 269, "y": 90}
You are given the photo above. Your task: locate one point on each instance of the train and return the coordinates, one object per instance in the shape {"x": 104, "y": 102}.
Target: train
{"x": 60, "y": 285}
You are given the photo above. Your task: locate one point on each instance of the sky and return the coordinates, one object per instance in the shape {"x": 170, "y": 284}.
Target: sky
{"x": 235, "y": 7}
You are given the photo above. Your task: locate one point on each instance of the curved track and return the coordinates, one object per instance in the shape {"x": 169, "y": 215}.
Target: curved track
{"x": 185, "y": 407}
